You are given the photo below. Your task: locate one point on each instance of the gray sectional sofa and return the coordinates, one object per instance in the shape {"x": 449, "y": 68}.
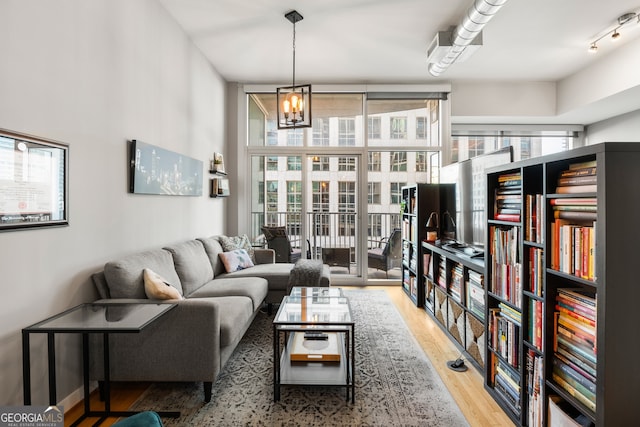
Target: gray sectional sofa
{"x": 193, "y": 341}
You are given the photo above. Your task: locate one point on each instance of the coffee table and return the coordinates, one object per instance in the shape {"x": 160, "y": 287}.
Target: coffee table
{"x": 322, "y": 310}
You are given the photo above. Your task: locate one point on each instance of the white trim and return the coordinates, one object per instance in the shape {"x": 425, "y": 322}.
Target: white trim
{"x": 349, "y": 88}
{"x": 514, "y": 128}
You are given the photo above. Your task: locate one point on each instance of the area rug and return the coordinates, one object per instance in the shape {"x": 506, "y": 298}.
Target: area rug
{"x": 396, "y": 385}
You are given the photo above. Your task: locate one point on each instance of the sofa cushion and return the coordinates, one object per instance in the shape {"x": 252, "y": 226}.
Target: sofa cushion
{"x": 237, "y": 242}
{"x": 156, "y": 286}
{"x": 124, "y": 276}
{"x": 213, "y": 247}
{"x": 255, "y": 288}
{"x": 237, "y": 259}
{"x": 277, "y": 274}
{"x": 192, "y": 265}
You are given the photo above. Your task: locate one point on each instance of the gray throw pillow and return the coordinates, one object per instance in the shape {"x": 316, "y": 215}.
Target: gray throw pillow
{"x": 238, "y": 242}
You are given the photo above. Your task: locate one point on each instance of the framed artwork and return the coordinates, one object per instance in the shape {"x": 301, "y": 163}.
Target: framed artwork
{"x": 154, "y": 170}
{"x": 33, "y": 182}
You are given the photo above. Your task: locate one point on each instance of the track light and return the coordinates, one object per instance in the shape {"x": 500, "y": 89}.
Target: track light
{"x": 615, "y": 34}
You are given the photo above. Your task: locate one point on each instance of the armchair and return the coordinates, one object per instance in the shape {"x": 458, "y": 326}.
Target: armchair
{"x": 388, "y": 257}
{"x": 278, "y": 240}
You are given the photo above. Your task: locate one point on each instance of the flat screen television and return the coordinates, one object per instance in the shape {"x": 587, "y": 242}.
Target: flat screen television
{"x": 471, "y": 198}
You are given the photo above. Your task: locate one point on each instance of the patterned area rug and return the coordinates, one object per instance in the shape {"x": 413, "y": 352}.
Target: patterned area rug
{"x": 396, "y": 385}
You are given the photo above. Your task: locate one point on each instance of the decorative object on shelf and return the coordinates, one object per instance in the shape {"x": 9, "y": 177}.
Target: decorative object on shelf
{"x": 432, "y": 227}
{"x": 219, "y": 187}
{"x": 154, "y": 170}
{"x": 216, "y": 165}
{"x": 627, "y": 18}
{"x": 34, "y": 189}
{"x": 294, "y": 102}
{"x": 448, "y": 227}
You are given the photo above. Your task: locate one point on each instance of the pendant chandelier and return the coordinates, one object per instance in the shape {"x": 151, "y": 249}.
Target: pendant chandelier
{"x": 294, "y": 102}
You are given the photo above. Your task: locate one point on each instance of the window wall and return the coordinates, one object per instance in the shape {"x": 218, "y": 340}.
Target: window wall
{"x": 311, "y": 179}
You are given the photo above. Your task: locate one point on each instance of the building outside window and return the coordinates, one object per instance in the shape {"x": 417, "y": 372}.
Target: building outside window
{"x": 374, "y": 229}
{"x": 346, "y": 132}
{"x": 272, "y": 163}
{"x": 373, "y": 196}
{"x": 398, "y": 161}
{"x": 320, "y": 163}
{"x": 321, "y": 132}
{"x": 294, "y": 163}
{"x": 396, "y": 192}
{"x": 421, "y": 161}
{"x": 346, "y": 204}
{"x": 422, "y": 128}
{"x": 294, "y": 207}
{"x": 346, "y": 164}
{"x": 398, "y": 128}
{"x": 375, "y": 126}
{"x": 295, "y": 137}
{"x": 375, "y": 162}
{"x": 320, "y": 204}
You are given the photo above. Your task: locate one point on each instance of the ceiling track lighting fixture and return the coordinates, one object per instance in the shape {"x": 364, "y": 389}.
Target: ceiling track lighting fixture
{"x": 615, "y": 34}
{"x": 294, "y": 102}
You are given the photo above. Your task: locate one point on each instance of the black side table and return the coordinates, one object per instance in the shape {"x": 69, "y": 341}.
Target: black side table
{"x": 87, "y": 319}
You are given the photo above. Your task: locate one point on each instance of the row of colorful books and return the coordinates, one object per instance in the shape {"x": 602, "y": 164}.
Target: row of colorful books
{"x": 536, "y": 271}
{"x": 573, "y": 248}
{"x": 475, "y": 300}
{"x": 534, "y": 208}
{"x": 579, "y": 178}
{"x": 505, "y": 264}
{"x": 535, "y": 387}
{"x": 505, "y": 335}
{"x": 507, "y": 383}
{"x": 535, "y": 323}
{"x": 575, "y": 344}
{"x": 508, "y": 197}
{"x": 455, "y": 286}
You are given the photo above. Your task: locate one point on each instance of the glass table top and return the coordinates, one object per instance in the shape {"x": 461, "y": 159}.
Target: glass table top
{"x": 103, "y": 318}
{"x": 314, "y": 306}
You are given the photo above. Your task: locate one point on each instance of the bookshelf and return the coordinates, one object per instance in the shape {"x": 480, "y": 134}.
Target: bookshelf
{"x": 455, "y": 298}
{"x": 419, "y": 201}
{"x": 558, "y": 275}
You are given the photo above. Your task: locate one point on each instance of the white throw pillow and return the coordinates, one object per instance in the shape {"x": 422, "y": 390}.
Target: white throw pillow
{"x": 156, "y": 287}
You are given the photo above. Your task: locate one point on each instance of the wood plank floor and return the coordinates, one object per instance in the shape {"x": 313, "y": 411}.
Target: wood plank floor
{"x": 467, "y": 388}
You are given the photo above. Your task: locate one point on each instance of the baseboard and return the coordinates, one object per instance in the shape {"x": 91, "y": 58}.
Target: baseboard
{"x": 76, "y": 396}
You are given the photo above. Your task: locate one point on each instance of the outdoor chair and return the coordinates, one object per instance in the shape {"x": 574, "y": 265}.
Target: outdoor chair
{"x": 388, "y": 254}
{"x": 278, "y": 240}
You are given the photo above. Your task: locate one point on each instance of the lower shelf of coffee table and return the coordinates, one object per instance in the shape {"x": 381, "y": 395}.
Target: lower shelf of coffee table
{"x": 313, "y": 373}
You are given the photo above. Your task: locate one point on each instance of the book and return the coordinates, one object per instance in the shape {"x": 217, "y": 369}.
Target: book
{"x": 578, "y": 180}
{"x": 306, "y": 350}
{"x": 572, "y": 189}
{"x": 585, "y": 171}
{"x": 575, "y": 201}
{"x": 583, "y": 165}
{"x": 573, "y": 392}
{"x": 576, "y": 215}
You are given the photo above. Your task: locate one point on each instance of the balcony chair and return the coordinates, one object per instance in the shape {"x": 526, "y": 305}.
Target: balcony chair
{"x": 278, "y": 240}
{"x": 389, "y": 256}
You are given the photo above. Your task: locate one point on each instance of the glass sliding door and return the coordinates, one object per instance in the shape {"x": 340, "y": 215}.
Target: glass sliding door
{"x": 332, "y": 184}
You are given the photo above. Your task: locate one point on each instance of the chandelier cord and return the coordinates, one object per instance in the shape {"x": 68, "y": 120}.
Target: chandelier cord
{"x": 293, "y": 84}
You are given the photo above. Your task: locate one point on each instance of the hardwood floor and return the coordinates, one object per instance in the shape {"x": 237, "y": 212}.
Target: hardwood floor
{"x": 467, "y": 388}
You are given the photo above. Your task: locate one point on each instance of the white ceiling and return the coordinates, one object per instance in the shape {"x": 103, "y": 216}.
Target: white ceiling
{"x": 378, "y": 41}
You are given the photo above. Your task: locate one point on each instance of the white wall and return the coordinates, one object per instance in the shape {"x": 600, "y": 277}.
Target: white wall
{"x": 624, "y": 128}
{"x": 95, "y": 74}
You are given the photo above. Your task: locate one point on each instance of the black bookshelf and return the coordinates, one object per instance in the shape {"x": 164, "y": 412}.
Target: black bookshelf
{"x": 573, "y": 250}
{"x": 420, "y": 200}
{"x": 455, "y": 297}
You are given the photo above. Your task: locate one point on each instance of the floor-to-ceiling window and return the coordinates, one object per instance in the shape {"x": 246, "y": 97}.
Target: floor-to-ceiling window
{"x": 339, "y": 182}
